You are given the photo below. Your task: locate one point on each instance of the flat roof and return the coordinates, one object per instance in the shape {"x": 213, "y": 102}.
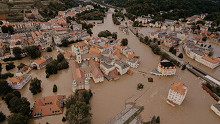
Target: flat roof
{"x": 213, "y": 79}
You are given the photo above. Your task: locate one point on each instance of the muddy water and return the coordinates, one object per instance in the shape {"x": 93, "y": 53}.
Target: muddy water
{"x": 63, "y": 81}
{"x": 109, "y": 97}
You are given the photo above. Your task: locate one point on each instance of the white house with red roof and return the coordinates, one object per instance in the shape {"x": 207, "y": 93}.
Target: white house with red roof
{"x": 49, "y": 105}
{"x": 25, "y": 70}
{"x": 18, "y": 82}
{"x": 166, "y": 68}
{"x": 41, "y": 62}
{"x": 80, "y": 81}
{"x": 177, "y": 93}
{"x": 122, "y": 67}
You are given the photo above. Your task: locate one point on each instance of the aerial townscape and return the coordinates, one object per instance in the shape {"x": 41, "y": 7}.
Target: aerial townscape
{"x": 109, "y": 62}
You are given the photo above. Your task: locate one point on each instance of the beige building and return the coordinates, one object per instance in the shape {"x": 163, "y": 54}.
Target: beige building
{"x": 41, "y": 62}
{"x": 210, "y": 61}
{"x": 166, "y": 68}
{"x": 216, "y": 108}
{"x": 122, "y": 67}
{"x": 80, "y": 81}
{"x": 18, "y": 82}
{"x": 134, "y": 63}
{"x": 177, "y": 93}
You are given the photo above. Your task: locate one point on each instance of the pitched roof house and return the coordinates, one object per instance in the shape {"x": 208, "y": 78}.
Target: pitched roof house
{"x": 49, "y": 105}
{"x": 80, "y": 81}
{"x": 41, "y": 62}
{"x": 18, "y": 82}
{"x": 177, "y": 93}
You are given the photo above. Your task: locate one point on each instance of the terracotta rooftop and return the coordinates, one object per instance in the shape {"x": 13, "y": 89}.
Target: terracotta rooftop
{"x": 69, "y": 54}
{"x": 94, "y": 50}
{"x": 179, "y": 87}
{"x": 211, "y": 59}
{"x": 49, "y": 105}
{"x": 15, "y": 80}
{"x": 40, "y": 60}
{"x": 77, "y": 74}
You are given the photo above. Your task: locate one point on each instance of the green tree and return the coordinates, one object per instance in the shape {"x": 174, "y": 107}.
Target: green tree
{"x": 171, "y": 49}
{"x": 158, "y": 42}
{"x": 183, "y": 67}
{"x": 153, "y": 120}
{"x": 49, "y": 49}
{"x": 124, "y": 42}
{"x": 51, "y": 68}
{"x": 0, "y": 68}
{"x": 79, "y": 113}
{"x": 210, "y": 54}
{"x": 204, "y": 38}
{"x": 135, "y": 24}
{"x": 4, "y": 88}
{"x": 21, "y": 66}
{"x": 35, "y": 86}
{"x": 54, "y": 88}
{"x": 64, "y": 64}
{"x": 158, "y": 119}
{"x": 60, "y": 57}
{"x": 33, "y": 51}
{"x": 180, "y": 55}
{"x": 4, "y": 29}
{"x": 11, "y": 29}
{"x": 20, "y": 105}
{"x": 65, "y": 43}
{"x": 17, "y": 119}
{"x": 10, "y": 66}
{"x": 114, "y": 35}
{"x": 89, "y": 31}
{"x": 63, "y": 119}
{"x": 8, "y": 97}
{"x": 6, "y": 75}
{"x": 2, "y": 117}
{"x": 17, "y": 93}
{"x": 105, "y": 33}
{"x": 17, "y": 51}
{"x": 174, "y": 52}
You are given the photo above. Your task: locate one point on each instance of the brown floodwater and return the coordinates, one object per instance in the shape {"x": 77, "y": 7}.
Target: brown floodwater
{"x": 110, "y": 97}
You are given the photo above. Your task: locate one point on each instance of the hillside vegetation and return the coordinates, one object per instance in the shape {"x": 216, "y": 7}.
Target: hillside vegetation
{"x": 175, "y": 8}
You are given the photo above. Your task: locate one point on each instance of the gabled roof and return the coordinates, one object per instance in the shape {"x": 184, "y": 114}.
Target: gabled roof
{"x": 179, "y": 87}
{"x": 49, "y": 105}
{"x": 15, "y": 80}
{"x": 78, "y": 76}
{"x": 211, "y": 59}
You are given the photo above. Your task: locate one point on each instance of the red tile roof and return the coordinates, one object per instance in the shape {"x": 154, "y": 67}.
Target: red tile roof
{"x": 49, "y": 105}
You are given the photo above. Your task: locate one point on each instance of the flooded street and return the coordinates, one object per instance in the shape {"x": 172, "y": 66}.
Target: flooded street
{"x": 110, "y": 96}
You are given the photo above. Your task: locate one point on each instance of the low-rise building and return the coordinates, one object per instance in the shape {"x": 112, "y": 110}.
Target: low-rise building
{"x": 133, "y": 63}
{"x": 177, "y": 93}
{"x": 18, "y": 82}
{"x": 23, "y": 71}
{"x": 106, "y": 68}
{"x": 80, "y": 81}
{"x": 210, "y": 61}
{"x": 41, "y": 62}
{"x": 80, "y": 48}
{"x": 166, "y": 68}
{"x": 49, "y": 105}
{"x": 122, "y": 67}
{"x": 216, "y": 108}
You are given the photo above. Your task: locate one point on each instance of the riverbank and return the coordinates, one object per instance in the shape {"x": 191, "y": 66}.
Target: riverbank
{"x": 110, "y": 97}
